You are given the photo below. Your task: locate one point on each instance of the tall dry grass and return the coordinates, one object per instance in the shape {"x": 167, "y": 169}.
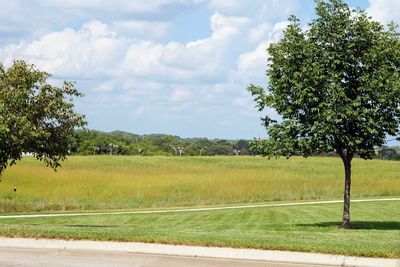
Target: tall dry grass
{"x": 114, "y": 182}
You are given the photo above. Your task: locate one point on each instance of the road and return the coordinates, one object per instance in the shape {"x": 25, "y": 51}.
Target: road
{"x": 60, "y": 257}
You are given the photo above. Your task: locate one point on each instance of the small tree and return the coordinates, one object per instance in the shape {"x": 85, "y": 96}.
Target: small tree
{"x": 336, "y": 87}
{"x": 35, "y": 116}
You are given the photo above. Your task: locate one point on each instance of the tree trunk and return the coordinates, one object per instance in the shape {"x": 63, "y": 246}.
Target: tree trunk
{"x": 347, "y": 184}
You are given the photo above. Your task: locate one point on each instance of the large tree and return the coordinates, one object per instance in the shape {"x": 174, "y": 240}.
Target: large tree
{"x": 35, "y": 117}
{"x": 336, "y": 86}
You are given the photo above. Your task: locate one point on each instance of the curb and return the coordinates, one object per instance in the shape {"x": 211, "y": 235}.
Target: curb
{"x": 204, "y": 252}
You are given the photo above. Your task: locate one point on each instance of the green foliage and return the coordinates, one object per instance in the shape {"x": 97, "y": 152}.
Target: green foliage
{"x": 35, "y": 117}
{"x": 336, "y": 85}
{"x": 89, "y": 142}
{"x": 391, "y": 153}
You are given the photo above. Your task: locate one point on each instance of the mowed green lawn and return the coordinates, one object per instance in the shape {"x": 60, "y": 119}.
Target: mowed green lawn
{"x": 119, "y": 182}
{"x": 301, "y": 228}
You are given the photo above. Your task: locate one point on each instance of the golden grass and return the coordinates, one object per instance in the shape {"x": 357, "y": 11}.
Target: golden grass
{"x": 112, "y": 182}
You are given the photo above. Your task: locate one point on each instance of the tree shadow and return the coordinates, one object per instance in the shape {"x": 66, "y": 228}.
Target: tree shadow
{"x": 361, "y": 225}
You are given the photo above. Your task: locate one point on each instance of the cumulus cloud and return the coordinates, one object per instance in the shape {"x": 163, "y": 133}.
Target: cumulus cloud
{"x": 98, "y": 49}
{"x": 104, "y": 87}
{"x": 242, "y": 101}
{"x": 32, "y": 19}
{"x": 186, "y": 62}
{"x": 385, "y": 10}
{"x": 267, "y": 9}
{"x": 90, "y": 52}
{"x": 138, "y": 111}
{"x": 127, "y": 6}
{"x": 141, "y": 29}
{"x": 251, "y": 66}
{"x": 225, "y": 26}
{"x": 259, "y": 32}
{"x": 180, "y": 94}
{"x": 126, "y": 62}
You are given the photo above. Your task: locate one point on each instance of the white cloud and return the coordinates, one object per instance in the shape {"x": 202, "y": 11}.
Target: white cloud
{"x": 141, "y": 29}
{"x": 92, "y": 51}
{"x": 127, "y": 6}
{"x": 138, "y": 111}
{"x": 182, "y": 106}
{"x": 242, "y": 101}
{"x": 131, "y": 84}
{"x": 201, "y": 60}
{"x": 104, "y": 87}
{"x": 259, "y": 32}
{"x": 251, "y": 66}
{"x": 225, "y": 26}
{"x": 384, "y": 10}
{"x": 98, "y": 50}
{"x": 180, "y": 94}
{"x": 128, "y": 64}
{"x": 31, "y": 19}
{"x": 259, "y": 8}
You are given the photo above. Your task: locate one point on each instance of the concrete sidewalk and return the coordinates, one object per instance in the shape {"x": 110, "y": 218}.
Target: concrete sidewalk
{"x": 203, "y": 252}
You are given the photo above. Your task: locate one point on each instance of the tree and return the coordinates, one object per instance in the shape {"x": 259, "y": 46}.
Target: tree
{"x": 336, "y": 86}
{"x": 242, "y": 146}
{"x": 35, "y": 116}
{"x": 220, "y": 149}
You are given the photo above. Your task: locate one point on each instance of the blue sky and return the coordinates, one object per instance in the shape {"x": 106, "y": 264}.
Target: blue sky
{"x": 163, "y": 66}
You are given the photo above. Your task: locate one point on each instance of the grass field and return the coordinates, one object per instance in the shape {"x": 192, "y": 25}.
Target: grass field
{"x": 301, "y": 228}
{"x": 112, "y": 182}
{"x": 105, "y": 182}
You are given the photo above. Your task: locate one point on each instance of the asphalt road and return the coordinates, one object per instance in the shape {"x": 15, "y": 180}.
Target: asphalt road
{"x": 55, "y": 257}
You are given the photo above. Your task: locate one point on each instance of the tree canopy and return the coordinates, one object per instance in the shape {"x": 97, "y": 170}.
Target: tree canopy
{"x": 35, "y": 116}
{"x": 92, "y": 142}
{"x": 335, "y": 84}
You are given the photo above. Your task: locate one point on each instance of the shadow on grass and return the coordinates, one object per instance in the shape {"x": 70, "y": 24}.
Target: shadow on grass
{"x": 361, "y": 225}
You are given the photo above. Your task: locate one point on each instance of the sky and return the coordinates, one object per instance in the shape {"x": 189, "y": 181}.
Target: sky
{"x": 177, "y": 67}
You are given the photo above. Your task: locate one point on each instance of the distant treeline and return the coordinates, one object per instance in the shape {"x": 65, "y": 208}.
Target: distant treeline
{"x": 92, "y": 142}
{"x": 386, "y": 152}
